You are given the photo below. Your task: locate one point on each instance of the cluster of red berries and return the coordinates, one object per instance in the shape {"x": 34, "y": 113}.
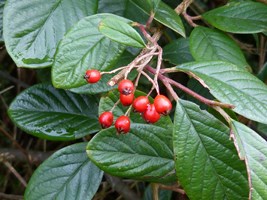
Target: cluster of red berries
{"x": 150, "y": 112}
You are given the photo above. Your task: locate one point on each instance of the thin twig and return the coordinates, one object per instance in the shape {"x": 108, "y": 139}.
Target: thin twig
{"x": 155, "y": 191}
{"x": 174, "y": 188}
{"x": 14, "y": 171}
{"x": 10, "y": 196}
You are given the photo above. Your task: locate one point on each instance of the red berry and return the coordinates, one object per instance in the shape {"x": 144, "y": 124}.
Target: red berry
{"x": 126, "y": 100}
{"x": 151, "y": 115}
{"x": 106, "y": 119}
{"x": 140, "y": 104}
{"x": 92, "y": 76}
{"x": 126, "y": 87}
{"x": 123, "y": 124}
{"x": 162, "y": 104}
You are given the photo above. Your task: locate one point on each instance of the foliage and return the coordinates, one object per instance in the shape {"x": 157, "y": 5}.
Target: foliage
{"x": 162, "y": 50}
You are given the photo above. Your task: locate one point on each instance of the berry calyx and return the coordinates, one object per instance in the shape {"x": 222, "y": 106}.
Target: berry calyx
{"x": 162, "y": 104}
{"x": 140, "y": 104}
{"x": 123, "y": 124}
{"x": 126, "y": 87}
{"x": 106, "y": 119}
{"x": 126, "y": 100}
{"x": 151, "y": 115}
{"x": 92, "y": 76}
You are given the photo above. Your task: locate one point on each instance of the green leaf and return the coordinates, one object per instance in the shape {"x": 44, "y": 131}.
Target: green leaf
{"x": 239, "y": 17}
{"x": 68, "y": 174}
{"x": 2, "y": 4}
{"x": 177, "y": 52}
{"x": 234, "y": 85}
{"x": 145, "y": 153}
{"x": 82, "y": 48}
{"x": 33, "y": 29}
{"x": 211, "y": 45}
{"x": 164, "y": 14}
{"x": 206, "y": 161}
{"x": 121, "y": 32}
{"x": 252, "y": 149}
{"x": 48, "y": 113}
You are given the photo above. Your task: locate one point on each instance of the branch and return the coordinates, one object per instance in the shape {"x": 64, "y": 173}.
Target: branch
{"x": 10, "y": 196}
{"x": 118, "y": 185}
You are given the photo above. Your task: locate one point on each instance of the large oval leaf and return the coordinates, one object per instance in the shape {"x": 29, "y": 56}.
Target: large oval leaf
{"x": 163, "y": 14}
{"x": 145, "y": 153}
{"x": 206, "y": 161}
{"x": 121, "y": 32}
{"x": 32, "y": 29}
{"x": 212, "y": 45}
{"x": 84, "y": 47}
{"x": 68, "y": 174}
{"x": 253, "y": 149}
{"x": 239, "y": 17}
{"x": 48, "y": 113}
{"x": 234, "y": 85}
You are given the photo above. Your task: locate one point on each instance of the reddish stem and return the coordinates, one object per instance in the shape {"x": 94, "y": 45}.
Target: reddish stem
{"x": 188, "y": 91}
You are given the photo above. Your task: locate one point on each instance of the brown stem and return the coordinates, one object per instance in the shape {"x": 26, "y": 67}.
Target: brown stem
{"x": 182, "y": 7}
{"x": 10, "y": 196}
{"x": 174, "y": 188}
{"x": 118, "y": 185}
{"x": 14, "y": 171}
{"x": 155, "y": 191}
{"x": 190, "y": 92}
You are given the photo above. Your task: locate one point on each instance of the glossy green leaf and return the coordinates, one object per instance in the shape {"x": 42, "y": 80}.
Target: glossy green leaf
{"x": 120, "y": 32}
{"x": 239, "y": 17}
{"x": 253, "y": 149}
{"x": 164, "y": 14}
{"x": 177, "y": 52}
{"x": 2, "y": 4}
{"x": 234, "y": 85}
{"x": 53, "y": 114}
{"x": 33, "y": 29}
{"x": 82, "y": 48}
{"x": 206, "y": 161}
{"x": 145, "y": 153}
{"x": 211, "y": 45}
{"x": 68, "y": 174}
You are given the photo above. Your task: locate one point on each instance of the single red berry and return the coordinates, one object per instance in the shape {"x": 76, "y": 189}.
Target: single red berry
{"x": 123, "y": 124}
{"x": 126, "y": 100}
{"x": 106, "y": 119}
{"x": 140, "y": 104}
{"x": 162, "y": 104}
{"x": 151, "y": 115}
{"x": 126, "y": 87}
{"x": 92, "y": 76}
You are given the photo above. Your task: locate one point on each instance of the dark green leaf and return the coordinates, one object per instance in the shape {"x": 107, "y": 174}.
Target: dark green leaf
{"x": 252, "y": 149}
{"x": 239, "y": 17}
{"x": 121, "y": 32}
{"x": 211, "y": 45}
{"x": 234, "y": 85}
{"x": 68, "y": 174}
{"x": 48, "y": 113}
{"x": 164, "y": 14}
{"x": 2, "y": 4}
{"x": 145, "y": 153}
{"x": 206, "y": 161}
{"x": 82, "y": 48}
{"x": 32, "y": 29}
{"x": 124, "y": 8}
{"x": 177, "y": 52}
